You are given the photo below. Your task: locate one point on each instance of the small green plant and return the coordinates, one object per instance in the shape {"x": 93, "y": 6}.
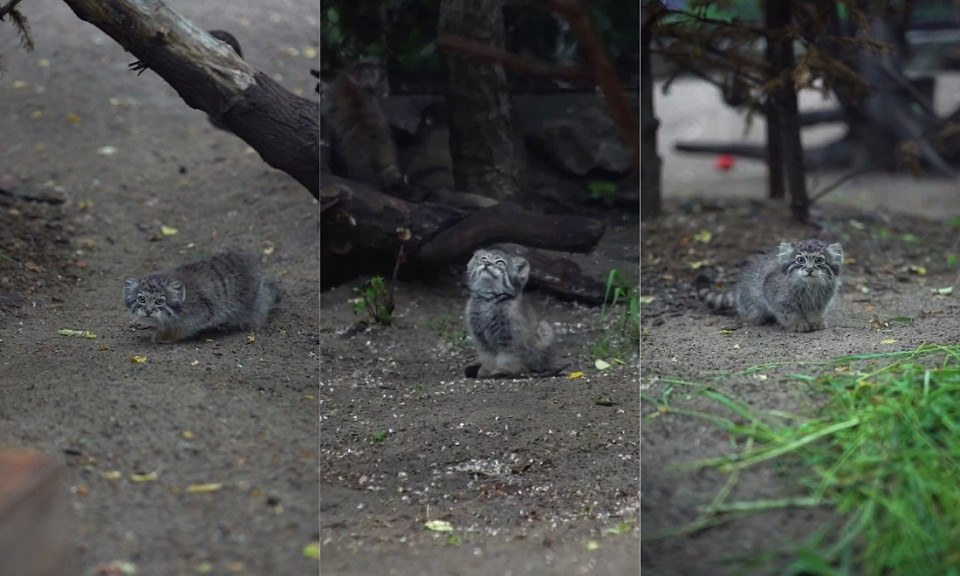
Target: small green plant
{"x": 380, "y": 435}
{"x": 626, "y": 337}
{"x": 602, "y": 190}
{"x": 375, "y": 298}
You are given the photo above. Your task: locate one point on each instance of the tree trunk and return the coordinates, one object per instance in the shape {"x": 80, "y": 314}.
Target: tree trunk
{"x": 650, "y": 164}
{"x": 210, "y": 76}
{"x": 481, "y": 134}
{"x": 784, "y": 106}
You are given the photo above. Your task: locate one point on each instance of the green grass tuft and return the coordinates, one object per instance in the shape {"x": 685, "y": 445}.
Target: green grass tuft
{"x": 883, "y": 449}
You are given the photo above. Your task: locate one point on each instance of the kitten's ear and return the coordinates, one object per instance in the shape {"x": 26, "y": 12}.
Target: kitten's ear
{"x": 178, "y": 290}
{"x": 523, "y": 271}
{"x": 835, "y": 251}
{"x": 130, "y": 286}
{"x": 786, "y": 252}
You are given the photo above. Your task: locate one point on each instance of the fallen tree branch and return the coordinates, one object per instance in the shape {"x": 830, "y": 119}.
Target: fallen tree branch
{"x": 210, "y": 76}
{"x": 363, "y": 230}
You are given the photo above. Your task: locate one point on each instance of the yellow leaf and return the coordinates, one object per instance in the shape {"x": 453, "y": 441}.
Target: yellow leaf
{"x": 647, "y": 299}
{"x": 699, "y": 264}
{"x": 204, "y": 488}
{"x": 918, "y": 270}
{"x": 888, "y": 341}
{"x": 593, "y": 545}
{"x": 168, "y": 230}
{"x": 439, "y": 526}
{"x": 704, "y": 236}
{"x": 74, "y": 119}
{"x": 601, "y": 365}
{"x": 575, "y": 375}
{"x": 138, "y": 478}
{"x": 944, "y": 291}
{"x": 102, "y": 348}
{"x": 312, "y": 550}
{"x": 138, "y": 359}
{"x": 188, "y": 435}
{"x": 112, "y": 475}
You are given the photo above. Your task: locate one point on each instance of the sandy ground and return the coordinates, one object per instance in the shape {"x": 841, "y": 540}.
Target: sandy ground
{"x": 128, "y": 157}
{"x": 531, "y": 474}
{"x": 887, "y": 224}
{"x": 534, "y": 476}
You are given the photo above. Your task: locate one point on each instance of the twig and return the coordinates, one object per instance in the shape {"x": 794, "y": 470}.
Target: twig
{"x": 604, "y": 74}
{"x": 877, "y": 162}
{"x": 479, "y": 49}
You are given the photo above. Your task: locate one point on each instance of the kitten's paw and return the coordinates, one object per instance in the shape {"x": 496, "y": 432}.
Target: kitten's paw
{"x": 472, "y": 371}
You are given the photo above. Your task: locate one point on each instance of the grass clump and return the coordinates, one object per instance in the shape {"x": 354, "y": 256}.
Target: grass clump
{"x": 621, "y": 308}
{"x": 883, "y": 450}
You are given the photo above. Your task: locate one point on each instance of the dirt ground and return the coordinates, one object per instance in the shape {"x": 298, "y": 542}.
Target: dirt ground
{"x": 535, "y": 477}
{"x": 898, "y": 241}
{"x": 126, "y": 156}
{"x": 529, "y": 473}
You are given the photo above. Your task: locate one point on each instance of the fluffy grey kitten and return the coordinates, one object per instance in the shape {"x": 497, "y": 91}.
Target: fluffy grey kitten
{"x": 507, "y": 334}
{"x": 226, "y": 290}
{"x": 363, "y": 134}
{"x": 793, "y": 286}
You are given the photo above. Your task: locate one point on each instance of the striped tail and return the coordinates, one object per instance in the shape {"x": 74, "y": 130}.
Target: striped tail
{"x": 713, "y": 298}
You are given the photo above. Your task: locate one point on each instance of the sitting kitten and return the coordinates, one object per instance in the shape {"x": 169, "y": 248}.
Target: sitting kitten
{"x": 508, "y": 337}
{"x": 793, "y": 287}
{"x": 226, "y": 290}
{"x": 363, "y": 134}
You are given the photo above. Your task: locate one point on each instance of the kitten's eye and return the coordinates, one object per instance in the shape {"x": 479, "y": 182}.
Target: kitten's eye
{"x": 819, "y": 260}
{"x": 800, "y": 259}
{"x": 160, "y": 301}
{"x": 502, "y": 263}
{"x": 141, "y": 299}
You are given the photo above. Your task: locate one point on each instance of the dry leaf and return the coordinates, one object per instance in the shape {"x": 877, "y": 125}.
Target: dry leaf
{"x": 439, "y": 526}
{"x": 140, "y": 478}
{"x": 204, "y": 488}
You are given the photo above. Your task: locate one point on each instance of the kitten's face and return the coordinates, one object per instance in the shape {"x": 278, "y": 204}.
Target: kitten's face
{"x": 154, "y": 301}
{"x": 812, "y": 261}
{"x": 372, "y": 76}
{"x": 494, "y": 273}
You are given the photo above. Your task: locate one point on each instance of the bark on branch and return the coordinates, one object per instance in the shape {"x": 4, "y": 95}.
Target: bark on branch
{"x": 209, "y": 76}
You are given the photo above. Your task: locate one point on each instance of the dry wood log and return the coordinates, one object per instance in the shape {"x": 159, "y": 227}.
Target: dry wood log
{"x": 210, "y": 76}
{"x": 364, "y": 230}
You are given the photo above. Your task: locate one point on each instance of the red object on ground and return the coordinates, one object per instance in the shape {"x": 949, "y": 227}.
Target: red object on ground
{"x": 724, "y": 162}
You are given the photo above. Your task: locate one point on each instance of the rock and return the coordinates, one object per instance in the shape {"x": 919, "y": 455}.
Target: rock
{"x": 586, "y": 141}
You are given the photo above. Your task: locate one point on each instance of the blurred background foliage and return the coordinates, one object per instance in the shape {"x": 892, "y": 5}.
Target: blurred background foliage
{"x": 403, "y": 34}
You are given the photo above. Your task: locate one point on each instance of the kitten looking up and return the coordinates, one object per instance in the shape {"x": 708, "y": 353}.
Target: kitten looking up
{"x": 226, "y": 290}
{"x": 508, "y": 337}
{"x": 793, "y": 286}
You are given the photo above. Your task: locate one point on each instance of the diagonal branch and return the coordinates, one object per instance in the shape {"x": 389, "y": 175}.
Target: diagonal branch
{"x": 210, "y": 76}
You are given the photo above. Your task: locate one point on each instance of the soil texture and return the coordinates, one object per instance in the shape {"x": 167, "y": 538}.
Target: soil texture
{"x": 199, "y": 457}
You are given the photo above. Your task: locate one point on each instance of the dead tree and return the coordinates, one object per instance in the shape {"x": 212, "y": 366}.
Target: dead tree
{"x": 210, "y": 76}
